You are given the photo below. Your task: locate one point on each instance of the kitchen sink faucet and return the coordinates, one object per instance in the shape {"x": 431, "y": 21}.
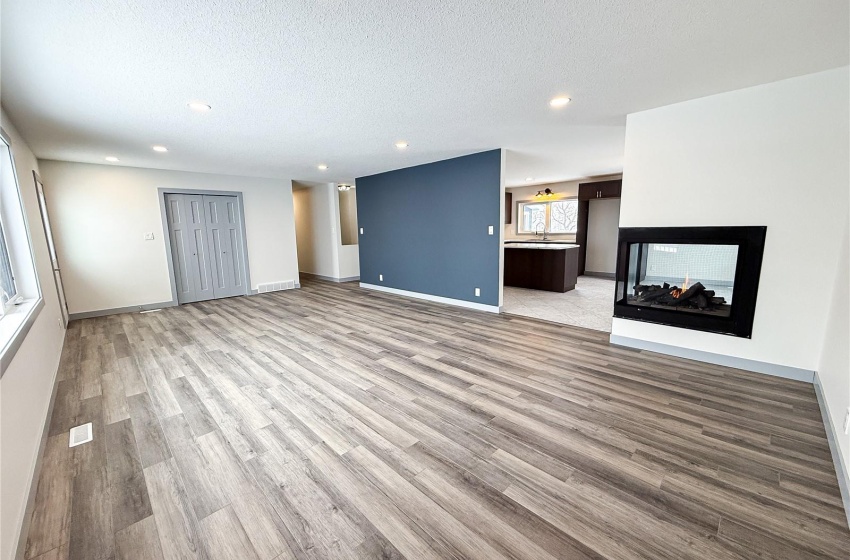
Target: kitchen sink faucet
{"x": 545, "y": 234}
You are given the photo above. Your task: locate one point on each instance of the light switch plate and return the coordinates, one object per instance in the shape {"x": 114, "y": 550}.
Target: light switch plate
{"x": 149, "y": 236}
{"x": 361, "y": 231}
{"x": 381, "y": 277}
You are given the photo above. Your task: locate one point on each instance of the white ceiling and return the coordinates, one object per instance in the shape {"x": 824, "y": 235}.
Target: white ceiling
{"x": 298, "y": 83}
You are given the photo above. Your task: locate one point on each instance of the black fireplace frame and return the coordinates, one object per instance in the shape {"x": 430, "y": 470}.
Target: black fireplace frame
{"x": 750, "y": 241}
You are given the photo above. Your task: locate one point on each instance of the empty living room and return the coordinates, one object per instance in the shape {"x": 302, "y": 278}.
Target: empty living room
{"x": 480, "y": 279}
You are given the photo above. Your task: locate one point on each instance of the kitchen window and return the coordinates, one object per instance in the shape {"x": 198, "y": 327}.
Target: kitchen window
{"x": 553, "y": 216}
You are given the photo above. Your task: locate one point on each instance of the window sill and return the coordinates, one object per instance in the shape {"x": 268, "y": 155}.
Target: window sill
{"x": 14, "y": 327}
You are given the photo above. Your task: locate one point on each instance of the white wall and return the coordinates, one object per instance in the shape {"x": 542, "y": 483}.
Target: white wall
{"x": 27, "y": 385}
{"x": 603, "y": 225}
{"x": 834, "y": 366}
{"x": 317, "y": 219}
{"x": 100, "y": 214}
{"x": 773, "y": 155}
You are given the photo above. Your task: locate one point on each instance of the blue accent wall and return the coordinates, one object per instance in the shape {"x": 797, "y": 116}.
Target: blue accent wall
{"x": 425, "y": 227}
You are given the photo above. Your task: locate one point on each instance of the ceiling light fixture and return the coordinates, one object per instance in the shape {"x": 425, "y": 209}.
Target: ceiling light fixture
{"x": 343, "y": 187}
{"x": 559, "y": 101}
{"x": 322, "y": 167}
{"x": 401, "y": 144}
{"x": 529, "y": 178}
{"x": 161, "y": 149}
{"x": 199, "y": 106}
{"x": 113, "y": 159}
{"x": 544, "y": 193}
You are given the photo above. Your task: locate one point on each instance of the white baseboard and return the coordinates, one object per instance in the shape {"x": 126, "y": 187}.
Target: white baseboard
{"x": 768, "y": 368}
{"x": 841, "y": 471}
{"x": 119, "y": 310}
{"x": 429, "y": 297}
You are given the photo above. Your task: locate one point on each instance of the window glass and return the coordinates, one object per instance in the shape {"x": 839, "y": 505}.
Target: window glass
{"x": 553, "y": 216}
{"x": 563, "y": 216}
{"x": 8, "y": 287}
{"x": 533, "y": 217}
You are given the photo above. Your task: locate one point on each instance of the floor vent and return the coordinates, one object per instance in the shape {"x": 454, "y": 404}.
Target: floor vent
{"x": 81, "y": 434}
{"x": 275, "y": 286}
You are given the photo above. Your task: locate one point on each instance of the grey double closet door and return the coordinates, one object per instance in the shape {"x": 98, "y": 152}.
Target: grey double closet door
{"x": 206, "y": 246}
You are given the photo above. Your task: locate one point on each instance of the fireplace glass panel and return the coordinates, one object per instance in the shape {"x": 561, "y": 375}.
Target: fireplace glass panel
{"x": 685, "y": 277}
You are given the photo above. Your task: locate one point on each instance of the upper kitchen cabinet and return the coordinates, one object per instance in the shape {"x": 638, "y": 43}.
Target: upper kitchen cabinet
{"x": 600, "y": 189}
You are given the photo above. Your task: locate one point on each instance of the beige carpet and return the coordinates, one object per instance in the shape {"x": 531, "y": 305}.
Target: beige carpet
{"x": 590, "y": 305}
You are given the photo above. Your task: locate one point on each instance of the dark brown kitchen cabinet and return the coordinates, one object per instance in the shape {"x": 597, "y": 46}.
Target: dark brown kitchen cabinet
{"x": 600, "y": 189}
{"x": 553, "y": 270}
{"x": 509, "y": 207}
{"x": 586, "y": 193}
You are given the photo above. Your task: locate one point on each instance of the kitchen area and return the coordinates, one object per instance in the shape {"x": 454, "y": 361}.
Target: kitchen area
{"x": 560, "y": 251}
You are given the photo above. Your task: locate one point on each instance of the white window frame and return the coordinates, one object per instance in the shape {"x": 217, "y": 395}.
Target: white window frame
{"x": 547, "y": 220}
{"x": 21, "y": 311}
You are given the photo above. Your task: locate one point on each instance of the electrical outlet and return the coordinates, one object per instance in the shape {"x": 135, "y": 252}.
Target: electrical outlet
{"x": 477, "y": 292}
{"x": 489, "y": 230}
{"x": 847, "y": 422}
{"x": 381, "y": 277}
{"x": 361, "y": 231}
{"x": 149, "y": 236}
{"x": 59, "y": 319}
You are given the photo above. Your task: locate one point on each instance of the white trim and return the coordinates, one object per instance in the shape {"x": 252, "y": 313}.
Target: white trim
{"x": 501, "y": 225}
{"x": 788, "y": 372}
{"x": 429, "y": 297}
{"x": 14, "y": 327}
{"x": 119, "y": 310}
{"x": 841, "y": 471}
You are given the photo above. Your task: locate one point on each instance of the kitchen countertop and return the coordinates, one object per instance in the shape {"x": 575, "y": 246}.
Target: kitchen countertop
{"x": 549, "y": 246}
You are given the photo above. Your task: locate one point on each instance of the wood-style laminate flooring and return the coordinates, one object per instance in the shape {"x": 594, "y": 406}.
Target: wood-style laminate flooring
{"x": 334, "y": 422}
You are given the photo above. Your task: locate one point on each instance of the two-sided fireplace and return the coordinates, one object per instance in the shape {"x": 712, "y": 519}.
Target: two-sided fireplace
{"x": 702, "y": 278}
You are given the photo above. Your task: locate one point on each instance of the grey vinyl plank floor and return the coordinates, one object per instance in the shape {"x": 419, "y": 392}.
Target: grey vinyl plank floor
{"x": 334, "y": 422}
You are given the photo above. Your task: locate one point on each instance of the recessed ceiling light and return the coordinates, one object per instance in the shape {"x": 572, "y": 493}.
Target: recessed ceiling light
{"x": 401, "y": 144}
{"x": 322, "y": 167}
{"x": 559, "y": 101}
{"x": 199, "y": 107}
{"x": 111, "y": 158}
{"x": 529, "y": 178}
{"x": 160, "y": 149}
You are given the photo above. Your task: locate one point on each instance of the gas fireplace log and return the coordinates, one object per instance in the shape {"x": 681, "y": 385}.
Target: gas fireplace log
{"x": 654, "y": 295}
{"x": 701, "y": 301}
{"x": 693, "y": 291}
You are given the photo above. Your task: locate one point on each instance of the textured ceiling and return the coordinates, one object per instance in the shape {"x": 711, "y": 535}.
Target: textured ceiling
{"x": 298, "y": 83}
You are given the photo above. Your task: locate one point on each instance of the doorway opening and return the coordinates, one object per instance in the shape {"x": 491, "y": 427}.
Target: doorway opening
{"x": 560, "y": 251}
{"x": 207, "y": 251}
